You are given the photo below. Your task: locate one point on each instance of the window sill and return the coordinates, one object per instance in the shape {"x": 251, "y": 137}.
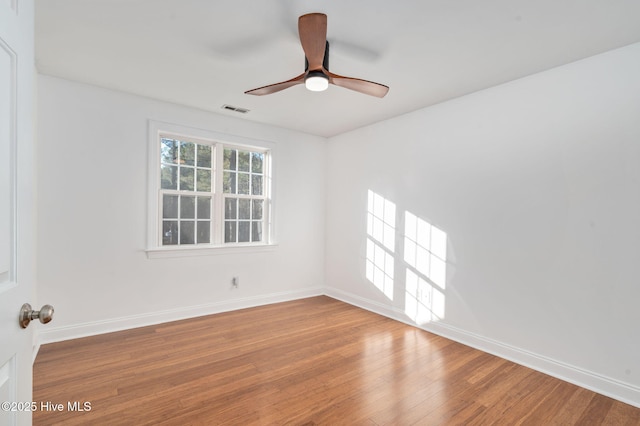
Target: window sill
{"x": 169, "y": 252}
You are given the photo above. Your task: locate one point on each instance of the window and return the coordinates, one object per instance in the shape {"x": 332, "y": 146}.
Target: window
{"x": 207, "y": 190}
{"x": 186, "y": 191}
{"x": 244, "y": 199}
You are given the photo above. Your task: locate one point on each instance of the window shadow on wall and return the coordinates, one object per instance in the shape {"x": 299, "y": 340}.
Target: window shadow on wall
{"x": 381, "y": 240}
{"x": 420, "y": 255}
{"x": 425, "y": 257}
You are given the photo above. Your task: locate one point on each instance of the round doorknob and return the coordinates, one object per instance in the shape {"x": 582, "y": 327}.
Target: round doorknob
{"x": 45, "y": 314}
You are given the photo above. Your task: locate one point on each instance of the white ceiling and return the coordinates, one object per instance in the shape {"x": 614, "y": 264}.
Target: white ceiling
{"x": 206, "y": 53}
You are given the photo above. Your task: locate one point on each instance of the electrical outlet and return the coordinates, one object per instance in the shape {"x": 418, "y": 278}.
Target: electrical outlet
{"x": 235, "y": 282}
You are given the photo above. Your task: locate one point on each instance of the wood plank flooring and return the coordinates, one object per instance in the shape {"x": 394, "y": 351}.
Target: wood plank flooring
{"x": 314, "y": 361}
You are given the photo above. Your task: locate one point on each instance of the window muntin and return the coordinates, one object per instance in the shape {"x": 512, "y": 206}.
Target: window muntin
{"x": 211, "y": 193}
{"x": 185, "y": 166}
{"x": 186, "y": 219}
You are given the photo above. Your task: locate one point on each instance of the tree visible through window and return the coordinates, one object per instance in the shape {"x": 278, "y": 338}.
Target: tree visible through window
{"x": 243, "y": 183}
{"x": 186, "y": 187}
{"x": 211, "y": 193}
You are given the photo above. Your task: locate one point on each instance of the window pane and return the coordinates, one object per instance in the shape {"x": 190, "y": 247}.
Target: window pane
{"x": 256, "y": 184}
{"x": 204, "y": 156}
{"x": 204, "y": 231}
{"x": 243, "y": 183}
{"x": 230, "y": 208}
{"x": 243, "y": 231}
{"x": 229, "y": 182}
{"x": 230, "y": 232}
{"x": 168, "y": 151}
{"x": 186, "y": 178}
{"x": 204, "y": 207}
{"x": 204, "y": 180}
{"x": 169, "y": 232}
{"x": 187, "y": 207}
{"x": 243, "y": 161}
{"x": 256, "y": 231}
{"x": 229, "y": 159}
{"x": 170, "y": 206}
{"x": 187, "y": 153}
{"x": 188, "y": 170}
{"x": 169, "y": 177}
{"x": 187, "y": 229}
{"x": 257, "y": 159}
{"x": 244, "y": 209}
{"x": 256, "y": 211}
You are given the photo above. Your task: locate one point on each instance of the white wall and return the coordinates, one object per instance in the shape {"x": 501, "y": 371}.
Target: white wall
{"x": 537, "y": 185}
{"x": 92, "y": 177}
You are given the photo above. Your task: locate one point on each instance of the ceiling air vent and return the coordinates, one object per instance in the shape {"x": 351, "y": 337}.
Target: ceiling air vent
{"x": 234, "y": 108}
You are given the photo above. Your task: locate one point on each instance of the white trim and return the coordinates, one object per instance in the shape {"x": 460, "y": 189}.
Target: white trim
{"x": 607, "y": 386}
{"x": 198, "y": 250}
{"x": 36, "y": 349}
{"x": 218, "y": 188}
{"x": 158, "y": 128}
{"x": 9, "y": 276}
{"x": 58, "y": 334}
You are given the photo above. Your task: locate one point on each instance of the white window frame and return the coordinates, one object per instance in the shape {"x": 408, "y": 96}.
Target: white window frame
{"x": 219, "y": 141}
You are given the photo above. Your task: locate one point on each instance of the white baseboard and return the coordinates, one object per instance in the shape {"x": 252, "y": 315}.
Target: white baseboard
{"x": 607, "y": 386}
{"x": 57, "y": 334}
{"x": 616, "y": 389}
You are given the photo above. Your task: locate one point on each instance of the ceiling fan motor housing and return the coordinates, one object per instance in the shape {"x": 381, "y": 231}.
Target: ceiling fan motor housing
{"x": 325, "y": 60}
{"x": 312, "y": 29}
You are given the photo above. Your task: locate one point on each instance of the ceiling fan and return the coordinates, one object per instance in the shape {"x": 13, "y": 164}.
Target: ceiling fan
{"x": 316, "y": 77}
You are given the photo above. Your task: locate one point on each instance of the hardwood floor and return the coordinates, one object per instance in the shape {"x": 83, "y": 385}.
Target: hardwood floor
{"x": 305, "y": 362}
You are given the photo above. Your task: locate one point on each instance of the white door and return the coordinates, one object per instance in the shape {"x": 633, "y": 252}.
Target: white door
{"x": 17, "y": 208}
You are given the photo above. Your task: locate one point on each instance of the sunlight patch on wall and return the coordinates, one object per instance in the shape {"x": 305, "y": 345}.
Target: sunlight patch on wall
{"x": 381, "y": 220}
{"x": 425, "y": 248}
{"x": 425, "y": 251}
{"x": 381, "y": 239}
{"x": 423, "y": 302}
{"x": 379, "y": 269}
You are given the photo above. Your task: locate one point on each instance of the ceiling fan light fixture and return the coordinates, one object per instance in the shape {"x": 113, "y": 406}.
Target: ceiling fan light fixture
{"x": 312, "y": 29}
{"x": 316, "y": 81}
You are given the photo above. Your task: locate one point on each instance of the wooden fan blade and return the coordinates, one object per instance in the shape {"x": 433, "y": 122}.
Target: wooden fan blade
{"x": 273, "y": 88}
{"x": 312, "y": 28}
{"x": 362, "y": 86}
